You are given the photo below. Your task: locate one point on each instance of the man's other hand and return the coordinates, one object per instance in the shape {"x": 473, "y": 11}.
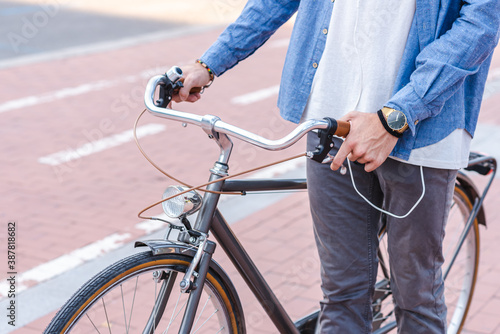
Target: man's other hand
{"x": 367, "y": 143}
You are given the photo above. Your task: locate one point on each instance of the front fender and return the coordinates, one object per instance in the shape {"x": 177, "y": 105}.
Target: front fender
{"x": 162, "y": 246}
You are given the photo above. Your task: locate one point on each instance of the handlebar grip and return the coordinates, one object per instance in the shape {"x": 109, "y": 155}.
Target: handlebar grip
{"x": 343, "y": 129}
{"x": 193, "y": 90}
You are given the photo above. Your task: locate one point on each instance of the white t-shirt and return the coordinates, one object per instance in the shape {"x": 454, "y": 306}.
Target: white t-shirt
{"x": 363, "y": 51}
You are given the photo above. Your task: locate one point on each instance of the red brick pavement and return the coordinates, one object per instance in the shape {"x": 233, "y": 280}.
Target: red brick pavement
{"x": 280, "y": 240}
{"x": 101, "y": 194}
{"x": 63, "y": 208}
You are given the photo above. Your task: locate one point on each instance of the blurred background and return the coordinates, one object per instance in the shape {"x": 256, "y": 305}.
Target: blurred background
{"x": 72, "y": 78}
{"x": 33, "y": 27}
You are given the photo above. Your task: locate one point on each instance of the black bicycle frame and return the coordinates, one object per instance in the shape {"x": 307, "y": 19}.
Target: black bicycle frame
{"x": 246, "y": 267}
{"x": 215, "y": 222}
{"x": 240, "y": 258}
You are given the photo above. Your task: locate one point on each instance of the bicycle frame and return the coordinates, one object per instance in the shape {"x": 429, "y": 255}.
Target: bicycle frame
{"x": 242, "y": 261}
{"x": 225, "y": 237}
{"x": 210, "y": 219}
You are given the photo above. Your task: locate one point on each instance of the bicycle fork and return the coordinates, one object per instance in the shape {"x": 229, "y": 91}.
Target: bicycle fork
{"x": 201, "y": 262}
{"x": 196, "y": 273}
{"x": 195, "y": 287}
{"x": 206, "y": 248}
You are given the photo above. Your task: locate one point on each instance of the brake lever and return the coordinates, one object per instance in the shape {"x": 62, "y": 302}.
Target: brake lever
{"x": 169, "y": 85}
{"x": 320, "y": 154}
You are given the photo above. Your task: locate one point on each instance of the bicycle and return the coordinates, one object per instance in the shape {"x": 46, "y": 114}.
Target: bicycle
{"x": 177, "y": 286}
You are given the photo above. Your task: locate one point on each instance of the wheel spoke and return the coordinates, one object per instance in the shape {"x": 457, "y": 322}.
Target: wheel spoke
{"x": 133, "y": 303}
{"x": 106, "y": 313}
{"x": 455, "y": 236}
{"x": 92, "y": 323}
{"x": 211, "y": 315}
{"x": 180, "y": 309}
{"x": 124, "y": 312}
{"x": 173, "y": 312}
{"x": 201, "y": 312}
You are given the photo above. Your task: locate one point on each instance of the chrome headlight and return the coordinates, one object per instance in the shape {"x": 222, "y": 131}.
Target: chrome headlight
{"x": 185, "y": 204}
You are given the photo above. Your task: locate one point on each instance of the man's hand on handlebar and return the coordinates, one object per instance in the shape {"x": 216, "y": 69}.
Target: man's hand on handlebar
{"x": 194, "y": 77}
{"x": 367, "y": 143}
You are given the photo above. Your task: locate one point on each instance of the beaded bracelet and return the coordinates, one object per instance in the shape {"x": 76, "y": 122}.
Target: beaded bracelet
{"x": 212, "y": 76}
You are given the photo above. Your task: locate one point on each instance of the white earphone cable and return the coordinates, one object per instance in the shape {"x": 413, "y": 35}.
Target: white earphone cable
{"x": 382, "y": 210}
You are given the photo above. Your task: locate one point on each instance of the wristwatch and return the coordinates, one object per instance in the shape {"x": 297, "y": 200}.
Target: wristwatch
{"x": 394, "y": 121}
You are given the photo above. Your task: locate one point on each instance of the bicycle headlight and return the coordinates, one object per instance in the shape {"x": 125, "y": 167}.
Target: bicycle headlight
{"x": 185, "y": 204}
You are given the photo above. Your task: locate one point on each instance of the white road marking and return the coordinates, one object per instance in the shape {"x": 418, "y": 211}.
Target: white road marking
{"x": 149, "y": 226}
{"x": 89, "y": 148}
{"x": 104, "y": 46}
{"x": 34, "y": 100}
{"x": 256, "y": 96}
{"x": 276, "y": 170}
{"x": 66, "y": 262}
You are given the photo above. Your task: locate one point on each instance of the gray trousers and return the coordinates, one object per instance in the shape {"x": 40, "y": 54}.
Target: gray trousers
{"x": 346, "y": 229}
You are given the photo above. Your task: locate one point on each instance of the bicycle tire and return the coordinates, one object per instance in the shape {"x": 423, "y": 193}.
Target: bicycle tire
{"x": 460, "y": 283}
{"x": 104, "y": 301}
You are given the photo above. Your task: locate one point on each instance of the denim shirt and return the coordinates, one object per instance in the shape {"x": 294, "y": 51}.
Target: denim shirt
{"x": 441, "y": 78}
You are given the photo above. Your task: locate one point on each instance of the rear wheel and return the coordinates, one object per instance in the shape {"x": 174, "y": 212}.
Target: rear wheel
{"x": 461, "y": 277}
{"x": 141, "y": 294}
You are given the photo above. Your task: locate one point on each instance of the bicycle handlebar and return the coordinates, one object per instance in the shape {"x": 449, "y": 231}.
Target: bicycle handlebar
{"x": 342, "y": 128}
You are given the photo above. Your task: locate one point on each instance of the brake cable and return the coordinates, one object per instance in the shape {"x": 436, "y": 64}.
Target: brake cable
{"x": 191, "y": 188}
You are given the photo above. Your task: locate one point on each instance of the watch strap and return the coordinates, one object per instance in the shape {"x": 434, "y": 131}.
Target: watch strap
{"x": 383, "y": 120}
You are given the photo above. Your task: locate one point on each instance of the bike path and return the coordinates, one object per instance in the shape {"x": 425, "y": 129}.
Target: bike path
{"x": 68, "y": 206}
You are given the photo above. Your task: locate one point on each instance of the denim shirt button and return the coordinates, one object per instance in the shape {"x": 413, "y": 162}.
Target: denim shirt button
{"x": 325, "y": 31}
{"x": 315, "y": 65}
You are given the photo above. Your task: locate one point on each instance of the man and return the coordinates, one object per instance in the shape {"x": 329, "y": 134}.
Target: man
{"x": 414, "y": 71}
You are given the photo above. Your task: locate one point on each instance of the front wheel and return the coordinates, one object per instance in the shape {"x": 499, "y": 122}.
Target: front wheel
{"x": 141, "y": 294}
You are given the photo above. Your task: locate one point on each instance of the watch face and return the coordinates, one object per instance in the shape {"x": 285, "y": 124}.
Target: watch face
{"x": 396, "y": 120}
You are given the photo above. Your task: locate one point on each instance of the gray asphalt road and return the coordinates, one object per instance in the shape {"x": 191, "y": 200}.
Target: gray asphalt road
{"x": 32, "y": 29}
